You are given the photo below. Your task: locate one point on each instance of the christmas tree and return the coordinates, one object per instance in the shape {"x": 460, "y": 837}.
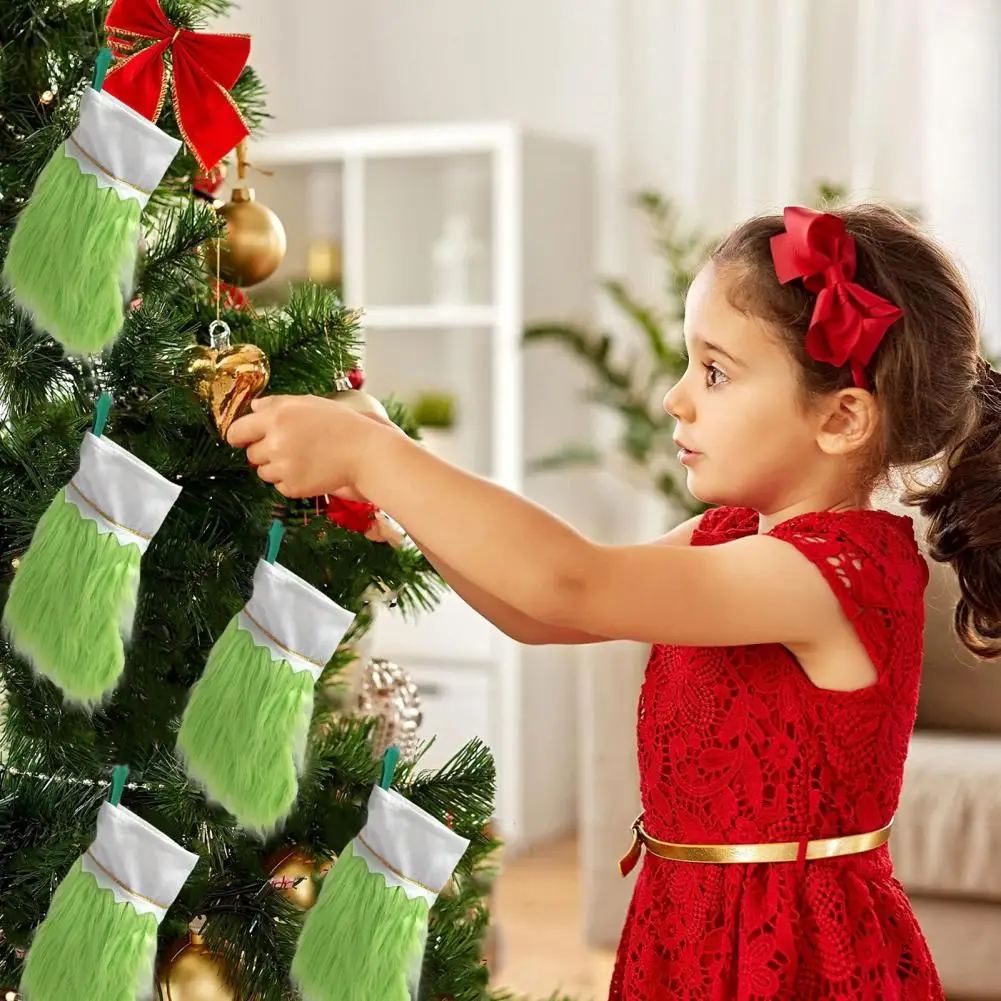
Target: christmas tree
{"x": 247, "y": 895}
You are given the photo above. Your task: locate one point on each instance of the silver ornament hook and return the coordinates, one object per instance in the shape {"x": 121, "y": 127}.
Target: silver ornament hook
{"x": 219, "y": 334}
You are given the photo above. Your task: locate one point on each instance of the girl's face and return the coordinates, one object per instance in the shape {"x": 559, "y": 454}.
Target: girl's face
{"x": 747, "y": 436}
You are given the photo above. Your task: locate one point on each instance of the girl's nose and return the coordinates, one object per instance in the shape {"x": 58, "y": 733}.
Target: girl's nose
{"x": 674, "y": 401}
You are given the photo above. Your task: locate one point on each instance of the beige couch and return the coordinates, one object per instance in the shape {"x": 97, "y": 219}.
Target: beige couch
{"x": 946, "y": 842}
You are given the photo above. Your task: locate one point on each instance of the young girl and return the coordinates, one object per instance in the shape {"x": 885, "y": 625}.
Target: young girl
{"x": 786, "y": 621}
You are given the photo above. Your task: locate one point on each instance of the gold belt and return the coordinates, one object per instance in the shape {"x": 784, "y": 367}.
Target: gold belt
{"x": 777, "y": 851}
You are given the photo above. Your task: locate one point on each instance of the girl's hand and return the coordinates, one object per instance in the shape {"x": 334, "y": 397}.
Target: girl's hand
{"x": 305, "y": 445}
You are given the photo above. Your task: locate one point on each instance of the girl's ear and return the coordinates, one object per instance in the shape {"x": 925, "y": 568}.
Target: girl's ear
{"x": 849, "y": 419}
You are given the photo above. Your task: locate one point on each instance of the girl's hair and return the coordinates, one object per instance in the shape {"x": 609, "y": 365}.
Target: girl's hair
{"x": 938, "y": 398}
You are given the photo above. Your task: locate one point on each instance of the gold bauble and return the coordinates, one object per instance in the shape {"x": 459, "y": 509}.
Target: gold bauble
{"x": 254, "y": 244}
{"x": 360, "y": 401}
{"x": 293, "y": 874}
{"x": 192, "y": 973}
{"x": 228, "y": 379}
{"x": 324, "y": 264}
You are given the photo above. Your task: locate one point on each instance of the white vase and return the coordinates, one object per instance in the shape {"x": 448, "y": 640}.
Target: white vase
{"x": 458, "y": 264}
{"x": 442, "y": 442}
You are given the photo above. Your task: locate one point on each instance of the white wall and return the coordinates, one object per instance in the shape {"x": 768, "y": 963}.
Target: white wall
{"x": 730, "y": 108}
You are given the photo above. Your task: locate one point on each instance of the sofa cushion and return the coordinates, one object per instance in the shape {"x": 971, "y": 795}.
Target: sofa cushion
{"x": 946, "y": 838}
{"x": 958, "y": 691}
{"x": 963, "y": 937}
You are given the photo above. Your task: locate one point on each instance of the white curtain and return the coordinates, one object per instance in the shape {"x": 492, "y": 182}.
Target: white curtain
{"x": 741, "y": 106}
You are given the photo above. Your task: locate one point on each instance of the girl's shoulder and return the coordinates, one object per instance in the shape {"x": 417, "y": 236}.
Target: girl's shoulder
{"x": 859, "y": 542}
{"x": 724, "y": 524}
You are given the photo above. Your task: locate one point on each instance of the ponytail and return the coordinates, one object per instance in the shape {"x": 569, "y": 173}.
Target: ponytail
{"x": 963, "y": 510}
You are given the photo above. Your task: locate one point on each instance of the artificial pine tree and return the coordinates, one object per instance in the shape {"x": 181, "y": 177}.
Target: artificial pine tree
{"x": 56, "y": 758}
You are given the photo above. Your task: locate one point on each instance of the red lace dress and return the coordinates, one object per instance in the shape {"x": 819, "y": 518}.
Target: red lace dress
{"x": 737, "y": 745}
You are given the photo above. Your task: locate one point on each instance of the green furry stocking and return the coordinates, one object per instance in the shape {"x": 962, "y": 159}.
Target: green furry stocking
{"x": 243, "y": 734}
{"x": 363, "y": 939}
{"x": 98, "y": 940}
{"x": 89, "y": 947}
{"x": 72, "y": 601}
{"x": 69, "y": 616}
{"x": 72, "y": 256}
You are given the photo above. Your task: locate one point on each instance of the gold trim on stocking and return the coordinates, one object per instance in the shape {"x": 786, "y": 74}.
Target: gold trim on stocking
{"x": 104, "y": 170}
{"x": 128, "y": 889}
{"x": 281, "y": 646}
{"x": 394, "y": 871}
{"x": 107, "y": 517}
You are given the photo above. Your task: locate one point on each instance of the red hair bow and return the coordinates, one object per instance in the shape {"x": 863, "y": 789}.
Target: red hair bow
{"x": 848, "y": 320}
{"x": 205, "y": 68}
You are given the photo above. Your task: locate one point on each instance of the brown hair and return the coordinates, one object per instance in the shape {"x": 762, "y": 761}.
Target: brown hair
{"x": 938, "y": 399}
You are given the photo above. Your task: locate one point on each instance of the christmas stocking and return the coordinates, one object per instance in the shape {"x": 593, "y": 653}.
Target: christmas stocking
{"x": 72, "y": 256}
{"x": 98, "y": 940}
{"x": 363, "y": 940}
{"x": 72, "y": 600}
{"x": 244, "y": 731}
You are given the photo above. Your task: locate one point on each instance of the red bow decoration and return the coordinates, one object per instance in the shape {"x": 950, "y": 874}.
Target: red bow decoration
{"x": 355, "y": 516}
{"x": 205, "y": 68}
{"x": 848, "y": 320}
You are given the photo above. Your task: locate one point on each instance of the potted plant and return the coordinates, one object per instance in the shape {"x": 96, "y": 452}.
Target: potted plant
{"x": 434, "y": 411}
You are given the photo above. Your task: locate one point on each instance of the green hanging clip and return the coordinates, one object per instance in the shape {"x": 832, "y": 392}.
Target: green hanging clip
{"x": 101, "y": 67}
{"x": 118, "y": 777}
{"x": 101, "y": 413}
{"x": 275, "y": 534}
{"x": 389, "y": 760}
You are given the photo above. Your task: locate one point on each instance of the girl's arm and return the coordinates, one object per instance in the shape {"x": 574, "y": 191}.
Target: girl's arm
{"x": 753, "y": 590}
{"x": 758, "y": 589}
{"x": 516, "y": 624}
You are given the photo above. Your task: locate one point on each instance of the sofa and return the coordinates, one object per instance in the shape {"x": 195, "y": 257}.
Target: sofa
{"x": 946, "y": 841}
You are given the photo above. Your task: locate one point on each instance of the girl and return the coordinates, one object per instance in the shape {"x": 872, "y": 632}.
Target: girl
{"x": 786, "y": 621}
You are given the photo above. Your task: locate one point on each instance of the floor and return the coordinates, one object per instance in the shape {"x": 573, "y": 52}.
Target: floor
{"x": 537, "y": 909}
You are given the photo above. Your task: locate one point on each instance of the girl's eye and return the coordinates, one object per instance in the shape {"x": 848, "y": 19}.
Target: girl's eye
{"x": 714, "y": 376}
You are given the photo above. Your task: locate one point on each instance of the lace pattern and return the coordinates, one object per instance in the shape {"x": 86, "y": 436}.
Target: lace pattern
{"x": 736, "y": 744}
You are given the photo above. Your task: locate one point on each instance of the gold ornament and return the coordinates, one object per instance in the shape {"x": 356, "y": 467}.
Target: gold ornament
{"x": 227, "y": 377}
{"x": 323, "y": 263}
{"x": 15, "y": 563}
{"x": 294, "y": 874}
{"x": 255, "y": 241}
{"x": 389, "y": 694}
{"x": 357, "y": 399}
{"x": 254, "y": 244}
{"x": 361, "y": 402}
{"x": 47, "y": 96}
{"x": 192, "y": 973}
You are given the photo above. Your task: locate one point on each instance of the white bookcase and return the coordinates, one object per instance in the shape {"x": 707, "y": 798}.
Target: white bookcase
{"x": 384, "y": 195}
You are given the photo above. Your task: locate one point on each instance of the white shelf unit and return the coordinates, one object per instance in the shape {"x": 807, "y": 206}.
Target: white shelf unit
{"x": 383, "y": 194}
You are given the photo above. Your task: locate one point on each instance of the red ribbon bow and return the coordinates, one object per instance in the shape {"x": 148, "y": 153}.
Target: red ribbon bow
{"x": 848, "y": 320}
{"x": 205, "y": 68}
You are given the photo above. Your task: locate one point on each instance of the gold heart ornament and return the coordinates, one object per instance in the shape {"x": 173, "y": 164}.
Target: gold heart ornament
{"x": 228, "y": 378}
